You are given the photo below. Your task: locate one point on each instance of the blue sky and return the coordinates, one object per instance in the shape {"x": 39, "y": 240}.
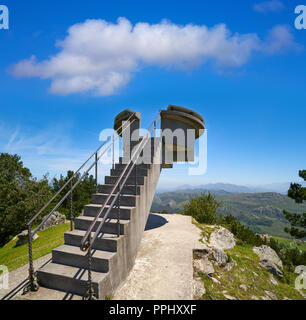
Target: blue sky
{"x": 251, "y": 94}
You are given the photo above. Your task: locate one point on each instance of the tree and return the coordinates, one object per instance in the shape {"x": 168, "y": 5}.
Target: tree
{"x": 297, "y": 221}
{"x": 81, "y": 195}
{"x": 21, "y": 196}
{"x": 203, "y": 208}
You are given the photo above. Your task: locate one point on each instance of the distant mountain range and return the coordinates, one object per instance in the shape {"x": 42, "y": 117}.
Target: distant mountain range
{"x": 233, "y": 188}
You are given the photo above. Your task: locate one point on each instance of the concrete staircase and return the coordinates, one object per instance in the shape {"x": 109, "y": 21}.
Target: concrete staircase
{"x": 112, "y": 257}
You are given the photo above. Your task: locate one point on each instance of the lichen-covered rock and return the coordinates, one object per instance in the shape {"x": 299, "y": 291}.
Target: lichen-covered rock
{"x": 266, "y": 253}
{"x": 198, "y": 288}
{"x": 219, "y": 256}
{"x": 222, "y": 239}
{"x": 55, "y": 219}
{"x": 229, "y": 266}
{"x": 23, "y": 237}
{"x": 272, "y": 267}
{"x": 204, "y": 265}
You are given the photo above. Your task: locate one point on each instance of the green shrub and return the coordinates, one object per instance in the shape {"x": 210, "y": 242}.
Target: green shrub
{"x": 203, "y": 208}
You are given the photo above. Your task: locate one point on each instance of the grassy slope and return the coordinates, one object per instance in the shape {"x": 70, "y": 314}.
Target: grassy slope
{"x": 248, "y": 272}
{"x": 15, "y": 257}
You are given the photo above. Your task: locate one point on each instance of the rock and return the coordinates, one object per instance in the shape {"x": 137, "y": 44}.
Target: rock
{"x": 219, "y": 256}
{"x": 228, "y": 297}
{"x": 204, "y": 265}
{"x": 301, "y": 293}
{"x": 266, "y": 253}
{"x": 229, "y": 266}
{"x": 273, "y": 280}
{"x": 243, "y": 287}
{"x": 55, "y": 219}
{"x": 272, "y": 267}
{"x": 222, "y": 239}
{"x": 214, "y": 280}
{"x": 265, "y": 298}
{"x": 271, "y": 295}
{"x": 254, "y": 298}
{"x": 269, "y": 259}
{"x": 255, "y": 274}
{"x": 22, "y": 237}
{"x": 198, "y": 288}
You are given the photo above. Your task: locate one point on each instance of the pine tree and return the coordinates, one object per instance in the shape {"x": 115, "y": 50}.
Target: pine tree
{"x": 297, "y": 221}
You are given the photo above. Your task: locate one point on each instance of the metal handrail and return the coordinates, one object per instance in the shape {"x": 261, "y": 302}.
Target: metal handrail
{"x": 75, "y": 174}
{"x": 75, "y": 185}
{"x": 88, "y": 241}
{"x": 33, "y": 286}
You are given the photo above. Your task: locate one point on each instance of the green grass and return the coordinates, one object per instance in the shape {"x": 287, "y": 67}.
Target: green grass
{"x": 244, "y": 272}
{"x": 290, "y": 243}
{"x": 15, "y": 257}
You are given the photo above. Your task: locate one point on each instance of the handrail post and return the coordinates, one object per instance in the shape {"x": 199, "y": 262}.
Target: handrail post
{"x": 136, "y": 178}
{"x": 119, "y": 213}
{"x": 90, "y": 291}
{"x": 96, "y": 171}
{"x": 154, "y": 129}
{"x": 113, "y": 153}
{"x": 71, "y": 215}
{"x": 33, "y": 285}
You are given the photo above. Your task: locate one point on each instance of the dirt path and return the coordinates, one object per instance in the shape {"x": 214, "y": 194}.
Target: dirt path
{"x": 163, "y": 268}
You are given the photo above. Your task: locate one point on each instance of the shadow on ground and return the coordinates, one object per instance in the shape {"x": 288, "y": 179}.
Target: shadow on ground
{"x": 155, "y": 221}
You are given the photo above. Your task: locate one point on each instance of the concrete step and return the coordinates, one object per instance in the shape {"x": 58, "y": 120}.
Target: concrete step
{"x": 73, "y": 256}
{"x": 69, "y": 279}
{"x": 125, "y": 200}
{"x": 121, "y": 166}
{"x": 129, "y": 190}
{"x": 110, "y": 226}
{"x": 105, "y": 242}
{"x": 91, "y": 210}
{"x": 130, "y": 181}
{"x": 140, "y": 172}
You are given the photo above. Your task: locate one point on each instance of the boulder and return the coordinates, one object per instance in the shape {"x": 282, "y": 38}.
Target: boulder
{"x": 22, "y": 237}
{"x": 272, "y": 267}
{"x": 204, "y": 265}
{"x": 222, "y": 239}
{"x": 219, "y": 256}
{"x": 266, "y": 253}
{"x": 269, "y": 259}
{"x": 55, "y": 219}
{"x": 198, "y": 288}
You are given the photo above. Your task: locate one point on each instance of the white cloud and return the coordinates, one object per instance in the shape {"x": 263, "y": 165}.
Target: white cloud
{"x": 268, "y": 6}
{"x": 101, "y": 57}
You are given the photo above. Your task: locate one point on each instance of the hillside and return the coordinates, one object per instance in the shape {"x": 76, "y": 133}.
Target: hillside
{"x": 262, "y": 212}
{"x": 226, "y": 269}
